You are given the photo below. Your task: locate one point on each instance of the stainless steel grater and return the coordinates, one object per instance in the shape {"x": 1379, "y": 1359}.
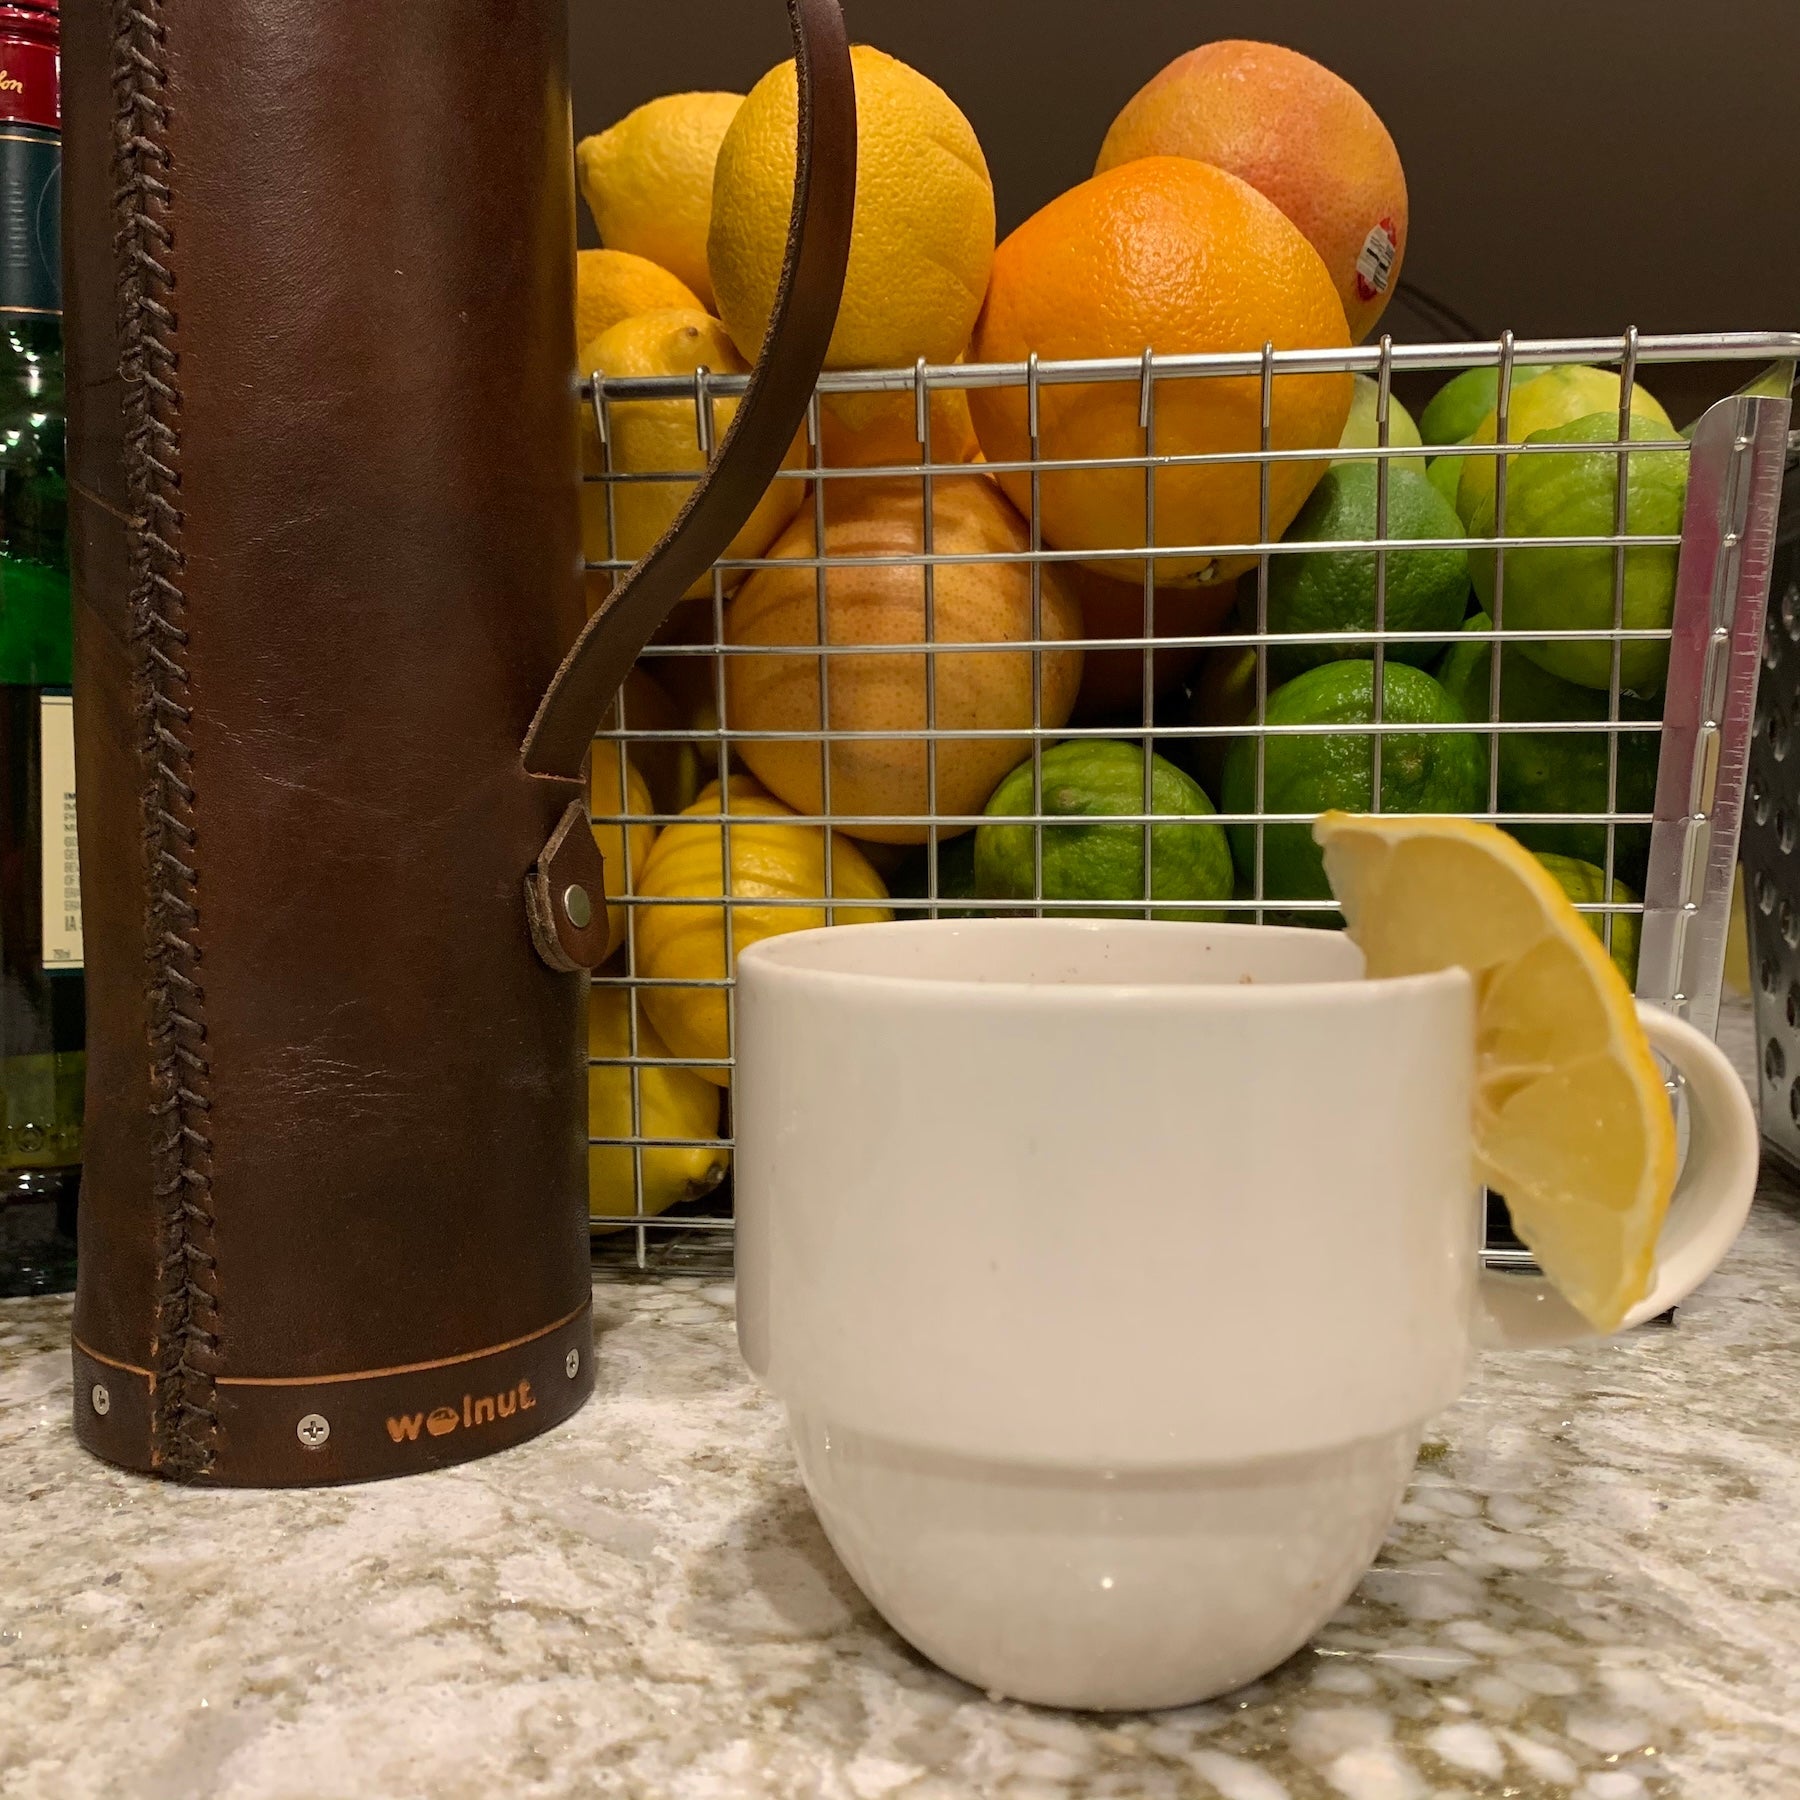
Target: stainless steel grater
{"x": 1771, "y": 832}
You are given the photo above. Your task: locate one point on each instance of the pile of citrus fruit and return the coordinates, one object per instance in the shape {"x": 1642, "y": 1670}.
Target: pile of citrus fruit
{"x": 1245, "y": 197}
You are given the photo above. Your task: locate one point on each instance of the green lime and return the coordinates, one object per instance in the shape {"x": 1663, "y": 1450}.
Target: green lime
{"x": 1460, "y": 405}
{"x": 1568, "y": 392}
{"x": 1088, "y": 780}
{"x": 1443, "y": 474}
{"x": 1557, "y": 771}
{"x": 1586, "y": 886}
{"x": 1572, "y": 588}
{"x": 1361, "y": 432}
{"x": 1334, "y": 590}
{"x": 1435, "y": 772}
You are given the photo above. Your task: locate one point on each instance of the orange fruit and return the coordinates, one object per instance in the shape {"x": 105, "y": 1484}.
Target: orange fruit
{"x": 1298, "y": 134}
{"x": 987, "y": 602}
{"x": 1171, "y": 255}
{"x": 1112, "y": 681}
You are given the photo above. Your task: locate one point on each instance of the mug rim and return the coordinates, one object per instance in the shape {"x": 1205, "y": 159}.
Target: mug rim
{"x": 785, "y": 957}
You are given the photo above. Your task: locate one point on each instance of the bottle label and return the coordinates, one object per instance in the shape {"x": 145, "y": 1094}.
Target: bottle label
{"x": 30, "y": 222}
{"x": 56, "y": 816}
{"x": 31, "y": 77}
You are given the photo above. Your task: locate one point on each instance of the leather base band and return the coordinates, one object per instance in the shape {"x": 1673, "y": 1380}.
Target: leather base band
{"x": 376, "y": 1423}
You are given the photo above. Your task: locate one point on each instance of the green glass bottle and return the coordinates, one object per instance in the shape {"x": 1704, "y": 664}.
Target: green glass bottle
{"x": 41, "y": 999}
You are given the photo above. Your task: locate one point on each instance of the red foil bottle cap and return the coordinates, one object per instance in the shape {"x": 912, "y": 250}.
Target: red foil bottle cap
{"x": 30, "y": 62}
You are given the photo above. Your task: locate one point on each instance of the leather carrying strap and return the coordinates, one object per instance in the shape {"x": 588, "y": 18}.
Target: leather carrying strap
{"x": 774, "y": 406}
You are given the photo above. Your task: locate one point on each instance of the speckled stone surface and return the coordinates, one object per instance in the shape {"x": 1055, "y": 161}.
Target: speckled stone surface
{"x": 1591, "y": 1590}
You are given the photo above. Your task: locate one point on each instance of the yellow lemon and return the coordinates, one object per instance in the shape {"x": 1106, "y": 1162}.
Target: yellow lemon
{"x": 923, "y": 239}
{"x": 770, "y": 862}
{"x": 1572, "y": 1123}
{"x": 661, "y": 437}
{"x": 648, "y": 181}
{"x": 672, "y": 1103}
{"x": 611, "y": 285}
{"x": 615, "y": 788}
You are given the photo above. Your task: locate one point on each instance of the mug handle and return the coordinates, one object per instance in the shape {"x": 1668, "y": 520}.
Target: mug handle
{"x": 1710, "y": 1202}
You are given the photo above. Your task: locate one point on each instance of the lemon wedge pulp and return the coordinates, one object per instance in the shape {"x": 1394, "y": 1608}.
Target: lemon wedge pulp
{"x": 1572, "y": 1123}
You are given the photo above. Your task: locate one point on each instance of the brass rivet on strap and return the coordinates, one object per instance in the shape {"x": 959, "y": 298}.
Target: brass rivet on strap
{"x": 578, "y": 906}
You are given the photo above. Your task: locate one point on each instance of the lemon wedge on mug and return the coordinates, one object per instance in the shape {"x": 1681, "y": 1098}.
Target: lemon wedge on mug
{"x": 1572, "y": 1122}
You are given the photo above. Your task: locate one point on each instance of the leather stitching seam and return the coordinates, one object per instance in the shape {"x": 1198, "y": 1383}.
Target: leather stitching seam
{"x": 185, "y": 1345}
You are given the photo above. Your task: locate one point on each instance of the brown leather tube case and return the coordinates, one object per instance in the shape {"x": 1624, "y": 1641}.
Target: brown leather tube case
{"x": 330, "y": 729}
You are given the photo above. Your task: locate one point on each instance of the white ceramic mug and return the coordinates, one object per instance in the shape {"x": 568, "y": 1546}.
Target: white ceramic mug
{"x": 1110, "y": 1271}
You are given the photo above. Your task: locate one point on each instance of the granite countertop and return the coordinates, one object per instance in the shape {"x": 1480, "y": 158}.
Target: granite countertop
{"x": 1590, "y": 1591}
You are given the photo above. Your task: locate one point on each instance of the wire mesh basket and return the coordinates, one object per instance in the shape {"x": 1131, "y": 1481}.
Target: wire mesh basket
{"x": 926, "y": 686}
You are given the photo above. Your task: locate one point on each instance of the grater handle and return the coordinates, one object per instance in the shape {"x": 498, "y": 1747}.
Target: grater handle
{"x": 774, "y": 406}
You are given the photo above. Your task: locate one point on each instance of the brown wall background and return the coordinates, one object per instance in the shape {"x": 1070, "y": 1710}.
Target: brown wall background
{"x": 1574, "y": 165}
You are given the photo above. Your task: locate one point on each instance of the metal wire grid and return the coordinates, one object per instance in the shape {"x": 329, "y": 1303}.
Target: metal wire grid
{"x": 1735, "y": 458}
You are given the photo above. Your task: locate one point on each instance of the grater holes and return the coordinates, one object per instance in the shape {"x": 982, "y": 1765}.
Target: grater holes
{"x": 1794, "y": 1101}
{"x": 1793, "y": 1004}
{"x": 1759, "y": 799}
{"x": 1774, "y": 1061}
{"x": 1770, "y": 973}
{"x": 1790, "y": 925}
{"x": 1784, "y": 831}
{"x": 1763, "y": 891}
{"x": 1777, "y": 733}
{"x": 1790, "y": 610}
